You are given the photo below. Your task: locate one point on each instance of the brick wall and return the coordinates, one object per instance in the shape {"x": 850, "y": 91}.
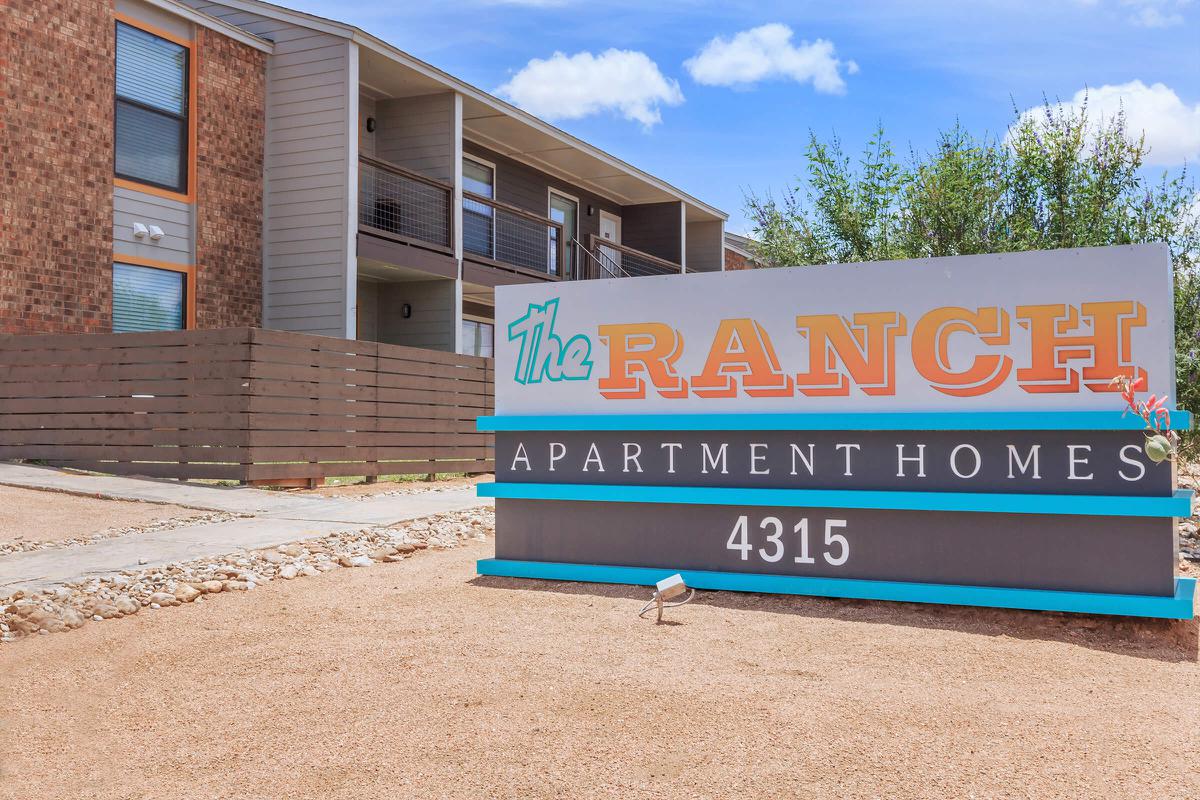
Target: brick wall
{"x": 735, "y": 261}
{"x": 56, "y": 129}
{"x": 229, "y": 190}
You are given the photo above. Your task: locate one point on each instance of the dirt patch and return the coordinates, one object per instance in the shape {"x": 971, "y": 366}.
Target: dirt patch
{"x": 418, "y": 679}
{"x": 30, "y": 515}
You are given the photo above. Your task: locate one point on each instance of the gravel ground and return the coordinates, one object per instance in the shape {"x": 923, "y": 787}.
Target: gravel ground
{"x": 418, "y": 679}
{"x": 29, "y": 515}
{"x": 354, "y": 490}
{"x": 96, "y": 598}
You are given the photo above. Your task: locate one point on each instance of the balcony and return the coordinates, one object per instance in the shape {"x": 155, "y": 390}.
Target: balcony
{"x": 404, "y": 206}
{"x": 501, "y": 242}
{"x": 505, "y": 237}
{"x": 603, "y": 259}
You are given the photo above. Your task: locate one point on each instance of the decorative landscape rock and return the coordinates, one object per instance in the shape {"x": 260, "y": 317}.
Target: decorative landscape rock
{"x": 186, "y": 593}
{"x": 163, "y": 599}
{"x": 62, "y": 608}
{"x": 22, "y": 546}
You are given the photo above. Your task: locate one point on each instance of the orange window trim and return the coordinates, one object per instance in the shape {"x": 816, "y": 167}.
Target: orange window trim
{"x": 193, "y": 69}
{"x": 189, "y": 270}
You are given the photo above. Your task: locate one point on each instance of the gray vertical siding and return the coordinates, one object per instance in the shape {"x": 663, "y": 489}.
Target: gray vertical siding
{"x": 307, "y": 259}
{"x": 434, "y": 318}
{"x": 417, "y": 133}
{"x": 366, "y": 139}
{"x": 173, "y": 216}
{"x": 654, "y": 228}
{"x": 367, "y": 324}
{"x": 705, "y": 246}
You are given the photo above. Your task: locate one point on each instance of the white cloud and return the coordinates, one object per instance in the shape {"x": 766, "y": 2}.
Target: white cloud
{"x": 1155, "y": 13}
{"x": 767, "y": 52}
{"x": 569, "y": 87}
{"x": 1171, "y": 126}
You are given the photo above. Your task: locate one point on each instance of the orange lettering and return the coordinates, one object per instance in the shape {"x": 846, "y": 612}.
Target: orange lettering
{"x": 651, "y": 348}
{"x": 867, "y": 350}
{"x": 931, "y": 349}
{"x": 742, "y": 347}
{"x": 1052, "y": 345}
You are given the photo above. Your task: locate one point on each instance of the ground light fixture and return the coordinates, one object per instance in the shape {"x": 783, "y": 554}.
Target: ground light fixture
{"x": 667, "y": 589}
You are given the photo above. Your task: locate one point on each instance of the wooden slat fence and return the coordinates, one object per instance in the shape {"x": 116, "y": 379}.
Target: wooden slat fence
{"x": 242, "y": 404}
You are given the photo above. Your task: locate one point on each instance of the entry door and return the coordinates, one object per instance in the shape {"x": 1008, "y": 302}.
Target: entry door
{"x": 610, "y": 229}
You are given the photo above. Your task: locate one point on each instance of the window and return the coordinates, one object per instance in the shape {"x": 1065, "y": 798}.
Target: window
{"x": 478, "y": 218}
{"x": 565, "y": 210}
{"x": 477, "y": 338}
{"x": 151, "y": 130}
{"x": 148, "y": 299}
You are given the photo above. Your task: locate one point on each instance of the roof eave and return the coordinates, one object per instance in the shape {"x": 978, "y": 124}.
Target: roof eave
{"x": 364, "y": 39}
{"x": 428, "y": 70}
{"x": 213, "y": 23}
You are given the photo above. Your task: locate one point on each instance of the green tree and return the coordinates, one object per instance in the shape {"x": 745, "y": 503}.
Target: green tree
{"x": 1057, "y": 179}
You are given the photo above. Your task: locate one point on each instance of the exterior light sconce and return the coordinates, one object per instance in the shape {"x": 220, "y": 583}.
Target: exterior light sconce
{"x": 589, "y": 210}
{"x": 406, "y": 311}
{"x": 370, "y": 124}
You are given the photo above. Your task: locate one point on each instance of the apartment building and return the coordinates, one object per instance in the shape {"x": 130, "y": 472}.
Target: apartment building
{"x": 190, "y": 163}
{"x": 739, "y": 253}
{"x": 131, "y": 163}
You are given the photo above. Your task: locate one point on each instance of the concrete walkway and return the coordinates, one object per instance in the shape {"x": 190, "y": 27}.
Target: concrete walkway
{"x": 274, "y": 518}
{"x": 234, "y": 499}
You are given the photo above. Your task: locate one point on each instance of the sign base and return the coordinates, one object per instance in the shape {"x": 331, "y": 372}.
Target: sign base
{"x": 1179, "y": 606}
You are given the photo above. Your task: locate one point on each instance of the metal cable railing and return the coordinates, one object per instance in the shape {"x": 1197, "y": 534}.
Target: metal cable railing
{"x": 611, "y": 260}
{"x": 403, "y": 203}
{"x": 596, "y": 265}
{"x": 510, "y": 235}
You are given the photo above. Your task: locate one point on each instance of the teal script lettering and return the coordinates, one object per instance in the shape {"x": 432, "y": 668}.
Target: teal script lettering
{"x": 542, "y": 353}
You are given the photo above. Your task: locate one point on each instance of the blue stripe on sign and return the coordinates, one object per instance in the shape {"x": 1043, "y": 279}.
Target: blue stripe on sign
{"x": 1178, "y": 505}
{"x": 884, "y": 421}
{"x": 1177, "y": 607}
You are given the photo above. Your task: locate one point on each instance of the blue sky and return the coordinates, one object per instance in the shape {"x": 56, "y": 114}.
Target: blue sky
{"x": 738, "y": 116}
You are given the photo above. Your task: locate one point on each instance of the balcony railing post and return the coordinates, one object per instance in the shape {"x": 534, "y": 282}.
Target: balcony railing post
{"x": 560, "y": 247}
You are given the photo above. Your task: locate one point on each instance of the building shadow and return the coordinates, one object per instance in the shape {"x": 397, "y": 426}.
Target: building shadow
{"x": 1155, "y": 639}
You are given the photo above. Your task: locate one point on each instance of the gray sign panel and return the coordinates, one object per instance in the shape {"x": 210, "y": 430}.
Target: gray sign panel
{"x": 1033, "y": 462}
{"x": 1120, "y": 555}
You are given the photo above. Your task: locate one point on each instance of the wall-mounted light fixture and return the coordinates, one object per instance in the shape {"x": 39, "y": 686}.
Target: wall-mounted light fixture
{"x": 370, "y": 124}
{"x": 589, "y": 209}
{"x": 406, "y": 311}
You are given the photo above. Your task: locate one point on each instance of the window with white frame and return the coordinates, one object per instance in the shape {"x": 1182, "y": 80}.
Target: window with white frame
{"x": 479, "y": 230}
{"x": 478, "y": 338}
{"x": 564, "y": 210}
